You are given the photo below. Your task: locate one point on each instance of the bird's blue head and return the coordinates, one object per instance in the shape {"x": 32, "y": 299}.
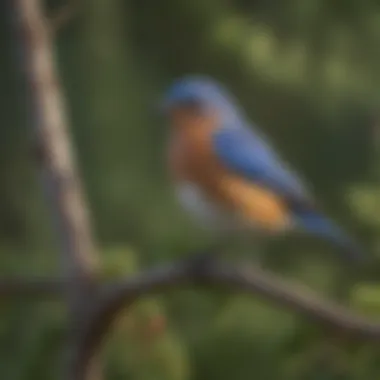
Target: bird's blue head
{"x": 203, "y": 94}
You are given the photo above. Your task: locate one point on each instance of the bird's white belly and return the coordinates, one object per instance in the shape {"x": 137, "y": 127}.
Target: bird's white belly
{"x": 205, "y": 211}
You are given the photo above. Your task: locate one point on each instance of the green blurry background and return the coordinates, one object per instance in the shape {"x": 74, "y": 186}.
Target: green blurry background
{"x": 307, "y": 71}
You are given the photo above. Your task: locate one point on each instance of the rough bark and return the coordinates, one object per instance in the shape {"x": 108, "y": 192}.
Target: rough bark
{"x": 59, "y": 175}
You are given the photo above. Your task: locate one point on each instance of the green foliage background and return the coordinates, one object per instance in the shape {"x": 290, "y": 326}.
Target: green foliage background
{"x": 306, "y": 71}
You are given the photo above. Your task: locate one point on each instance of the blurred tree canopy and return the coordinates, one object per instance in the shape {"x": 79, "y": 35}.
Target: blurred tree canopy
{"x": 305, "y": 71}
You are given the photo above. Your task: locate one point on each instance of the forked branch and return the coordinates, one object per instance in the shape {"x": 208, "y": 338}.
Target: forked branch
{"x": 249, "y": 280}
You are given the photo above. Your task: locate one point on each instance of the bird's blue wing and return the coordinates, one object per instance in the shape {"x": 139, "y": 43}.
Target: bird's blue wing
{"x": 243, "y": 152}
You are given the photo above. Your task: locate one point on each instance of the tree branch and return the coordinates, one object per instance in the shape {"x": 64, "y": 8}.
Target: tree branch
{"x": 60, "y": 178}
{"x": 58, "y": 169}
{"x": 253, "y": 281}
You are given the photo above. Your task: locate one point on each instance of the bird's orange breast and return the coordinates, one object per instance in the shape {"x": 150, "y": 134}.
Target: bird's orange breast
{"x": 191, "y": 159}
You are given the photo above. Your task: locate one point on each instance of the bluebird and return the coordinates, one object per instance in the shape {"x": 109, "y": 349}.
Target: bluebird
{"x": 228, "y": 176}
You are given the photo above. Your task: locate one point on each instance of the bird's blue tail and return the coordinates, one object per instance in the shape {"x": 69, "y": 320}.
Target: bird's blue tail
{"x": 319, "y": 225}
